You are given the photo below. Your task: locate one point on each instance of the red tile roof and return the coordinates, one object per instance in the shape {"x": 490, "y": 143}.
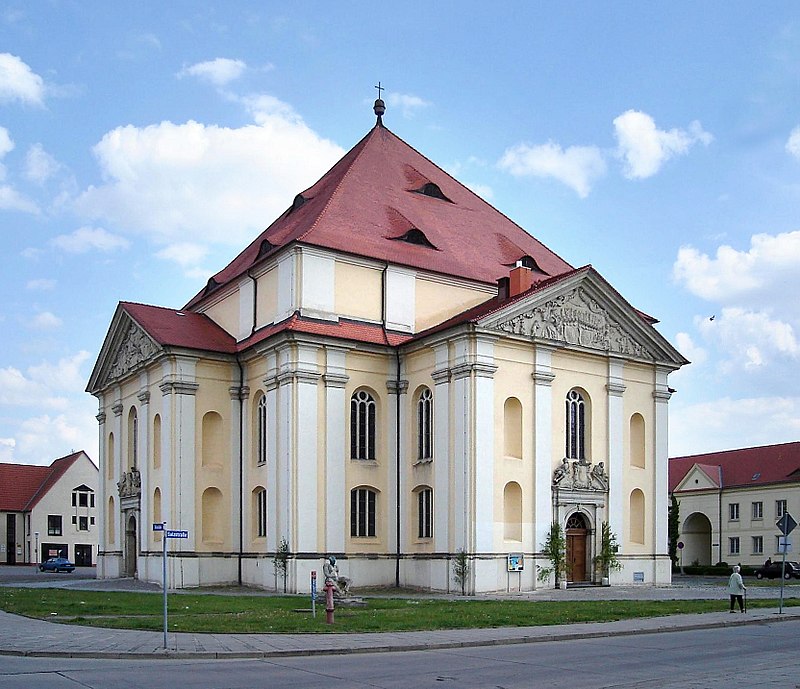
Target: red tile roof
{"x": 371, "y": 198}
{"x": 23, "y": 485}
{"x": 752, "y": 466}
{"x": 171, "y": 327}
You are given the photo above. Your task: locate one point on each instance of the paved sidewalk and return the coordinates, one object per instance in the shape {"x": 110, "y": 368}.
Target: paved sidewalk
{"x": 28, "y": 637}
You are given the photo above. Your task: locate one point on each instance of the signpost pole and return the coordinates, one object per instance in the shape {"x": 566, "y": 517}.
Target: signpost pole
{"x": 314, "y": 593}
{"x": 164, "y": 577}
{"x": 786, "y": 524}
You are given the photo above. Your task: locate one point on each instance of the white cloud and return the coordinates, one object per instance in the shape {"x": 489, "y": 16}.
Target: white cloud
{"x": 577, "y": 166}
{"x": 408, "y": 104}
{"x": 7, "y": 450}
{"x": 46, "y": 321}
{"x": 793, "y": 144}
{"x": 6, "y": 142}
{"x": 217, "y": 183}
{"x": 645, "y": 148}
{"x": 770, "y": 267}
{"x": 185, "y": 254}
{"x": 18, "y": 82}
{"x": 219, "y": 72}
{"x": 12, "y": 200}
{"x": 86, "y": 239}
{"x": 686, "y": 346}
{"x": 40, "y": 285}
{"x": 41, "y": 439}
{"x": 40, "y": 166}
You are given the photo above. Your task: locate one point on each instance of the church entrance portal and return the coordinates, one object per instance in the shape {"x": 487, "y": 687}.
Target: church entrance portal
{"x": 130, "y": 548}
{"x": 577, "y": 531}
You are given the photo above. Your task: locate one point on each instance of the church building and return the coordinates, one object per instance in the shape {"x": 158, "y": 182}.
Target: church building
{"x": 393, "y": 373}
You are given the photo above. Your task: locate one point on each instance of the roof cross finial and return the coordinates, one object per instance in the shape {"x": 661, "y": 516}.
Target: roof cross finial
{"x": 380, "y": 107}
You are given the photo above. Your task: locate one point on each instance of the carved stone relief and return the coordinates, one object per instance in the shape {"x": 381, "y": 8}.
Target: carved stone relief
{"x": 575, "y": 318}
{"x": 130, "y": 484}
{"x": 580, "y": 474}
{"x": 136, "y": 347}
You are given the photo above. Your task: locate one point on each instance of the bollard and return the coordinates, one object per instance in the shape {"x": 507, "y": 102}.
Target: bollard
{"x": 329, "y": 603}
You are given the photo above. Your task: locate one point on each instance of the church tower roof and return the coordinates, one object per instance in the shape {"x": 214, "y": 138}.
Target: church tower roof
{"x": 386, "y": 201}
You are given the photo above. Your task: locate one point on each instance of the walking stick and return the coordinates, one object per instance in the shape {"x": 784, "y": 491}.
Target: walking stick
{"x": 745, "y": 600}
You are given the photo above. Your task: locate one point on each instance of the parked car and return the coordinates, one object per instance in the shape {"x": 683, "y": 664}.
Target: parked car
{"x": 773, "y": 570}
{"x": 57, "y": 564}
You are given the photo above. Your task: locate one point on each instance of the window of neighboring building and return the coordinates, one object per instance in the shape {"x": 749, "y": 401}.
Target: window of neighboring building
{"x": 261, "y": 512}
{"x": 778, "y": 548}
{"x": 54, "y": 525}
{"x": 82, "y": 496}
{"x": 362, "y": 512}
{"x": 74, "y": 519}
{"x": 733, "y": 511}
{"x": 758, "y": 510}
{"x": 83, "y": 523}
{"x": 261, "y": 430}
{"x": 362, "y": 426}
{"x": 83, "y": 499}
{"x": 576, "y": 425}
{"x": 425, "y": 425}
{"x": 758, "y": 545}
{"x": 733, "y": 545}
{"x": 425, "y": 513}
{"x": 91, "y": 520}
{"x": 780, "y": 508}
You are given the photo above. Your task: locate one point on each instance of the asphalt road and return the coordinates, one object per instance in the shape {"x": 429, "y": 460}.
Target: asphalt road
{"x": 751, "y": 657}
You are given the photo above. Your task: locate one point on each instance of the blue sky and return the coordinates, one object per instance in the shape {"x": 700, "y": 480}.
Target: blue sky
{"x": 142, "y": 145}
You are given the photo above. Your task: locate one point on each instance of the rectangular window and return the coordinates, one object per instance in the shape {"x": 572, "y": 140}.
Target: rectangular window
{"x": 54, "y": 526}
{"x": 91, "y": 499}
{"x": 425, "y": 513}
{"x": 83, "y": 499}
{"x": 778, "y": 544}
{"x": 91, "y": 520}
{"x": 74, "y": 499}
{"x": 74, "y": 519}
{"x": 261, "y": 498}
{"x": 758, "y": 545}
{"x": 758, "y": 510}
{"x": 733, "y": 511}
{"x": 83, "y": 524}
{"x": 733, "y": 545}
{"x": 780, "y": 508}
{"x": 362, "y": 513}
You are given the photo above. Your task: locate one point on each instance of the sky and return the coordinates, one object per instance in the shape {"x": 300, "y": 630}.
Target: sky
{"x": 143, "y": 145}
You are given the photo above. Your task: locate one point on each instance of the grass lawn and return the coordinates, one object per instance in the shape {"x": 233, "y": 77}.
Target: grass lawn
{"x": 253, "y": 614}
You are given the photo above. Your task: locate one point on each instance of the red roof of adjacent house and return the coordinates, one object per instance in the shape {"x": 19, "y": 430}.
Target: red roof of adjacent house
{"x": 382, "y": 200}
{"x": 23, "y": 485}
{"x": 750, "y": 466}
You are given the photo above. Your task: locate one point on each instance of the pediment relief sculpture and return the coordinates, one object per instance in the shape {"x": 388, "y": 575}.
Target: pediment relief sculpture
{"x": 136, "y": 348}
{"x": 130, "y": 483}
{"x": 576, "y": 318}
{"x": 580, "y": 474}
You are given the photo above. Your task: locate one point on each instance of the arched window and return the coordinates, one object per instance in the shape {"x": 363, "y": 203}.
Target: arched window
{"x": 213, "y": 449}
{"x": 425, "y": 425}
{"x": 512, "y": 428}
{"x": 133, "y": 438}
{"x": 576, "y": 425}
{"x": 212, "y": 526}
{"x": 512, "y": 511}
{"x": 157, "y": 441}
{"x": 260, "y": 512}
{"x": 362, "y": 512}
{"x": 637, "y": 516}
{"x": 261, "y": 430}
{"x": 637, "y": 441}
{"x": 110, "y": 460}
{"x": 424, "y": 512}
{"x": 362, "y": 426}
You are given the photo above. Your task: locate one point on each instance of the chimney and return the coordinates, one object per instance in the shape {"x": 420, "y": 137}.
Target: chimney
{"x": 520, "y": 280}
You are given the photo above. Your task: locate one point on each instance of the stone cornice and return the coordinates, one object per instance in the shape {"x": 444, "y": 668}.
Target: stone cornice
{"x": 101, "y": 418}
{"x": 335, "y": 380}
{"x": 545, "y": 378}
{"x": 178, "y": 387}
{"x": 117, "y": 408}
{"x": 397, "y": 386}
{"x": 615, "y": 389}
{"x": 480, "y": 370}
{"x": 144, "y": 396}
{"x": 239, "y": 393}
{"x": 662, "y": 395}
{"x": 441, "y": 376}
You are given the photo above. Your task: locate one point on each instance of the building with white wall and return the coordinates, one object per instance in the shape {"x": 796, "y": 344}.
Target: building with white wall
{"x": 391, "y": 372}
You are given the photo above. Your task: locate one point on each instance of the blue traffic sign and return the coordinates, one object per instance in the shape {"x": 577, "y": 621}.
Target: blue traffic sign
{"x": 158, "y": 526}
{"x": 177, "y": 534}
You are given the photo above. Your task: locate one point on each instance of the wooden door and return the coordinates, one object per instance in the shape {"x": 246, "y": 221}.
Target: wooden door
{"x": 576, "y": 555}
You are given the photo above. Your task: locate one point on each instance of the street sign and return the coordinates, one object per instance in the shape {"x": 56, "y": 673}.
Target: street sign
{"x": 158, "y": 526}
{"x": 786, "y": 524}
{"x": 784, "y": 545}
{"x": 177, "y": 534}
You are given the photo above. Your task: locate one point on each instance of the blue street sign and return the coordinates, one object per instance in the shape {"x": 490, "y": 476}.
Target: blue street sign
{"x": 177, "y": 534}
{"x": 158, "y": 526}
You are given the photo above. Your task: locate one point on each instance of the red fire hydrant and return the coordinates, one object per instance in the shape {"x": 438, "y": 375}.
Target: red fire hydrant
{"x": 329, "y": 588}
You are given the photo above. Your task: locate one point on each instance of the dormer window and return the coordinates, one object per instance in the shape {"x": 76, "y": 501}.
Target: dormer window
{"x": 299, "y": 200}
{"x": 211, "y": 285}
{"x": 265, "y": 248}
{"x": 528, "y": 262}
{"x": 432, "y": 190}
{"x": 415, "y": 236}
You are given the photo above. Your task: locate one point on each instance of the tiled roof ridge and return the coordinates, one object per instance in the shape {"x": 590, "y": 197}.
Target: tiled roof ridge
{"x": 734, "y": 450}
{"x": 57, "y": 469}
{"x": 363, "y": 144}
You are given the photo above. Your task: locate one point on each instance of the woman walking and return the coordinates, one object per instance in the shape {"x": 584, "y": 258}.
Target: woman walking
{"x": 736, "y": 589}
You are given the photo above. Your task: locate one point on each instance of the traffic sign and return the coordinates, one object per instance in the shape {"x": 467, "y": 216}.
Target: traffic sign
{"x": 784, "y": 544}
{"x": 786, "y": 524}
{"x": 158, "y": 526}
{"x": 177, "y": 534}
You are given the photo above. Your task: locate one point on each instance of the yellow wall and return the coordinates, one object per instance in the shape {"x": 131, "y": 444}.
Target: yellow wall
{"x": 437, "y": 301}
{"x": 267, "y": 297}
{"x": 225, "y": 313}
{"x": 358, "y": 291}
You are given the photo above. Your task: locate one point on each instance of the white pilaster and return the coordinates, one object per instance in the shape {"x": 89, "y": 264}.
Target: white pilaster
{"x": 400, "y": 299}
{"x": 247, "y": 296}
{"x": 542, "y": 444}
{"x": 462, "y": 443}
{"x": 102, "y": 492}
{"x": 274, "y": 533}
{"x": 661, "y": 396}
{"x": 317, "y": 291}
{"x": 287, "y": 272}
{"x": 616, "y": 445}
{"x": 143, "y": 464}
{"x": 285, "y": 450}
{"x": 441, "y": 449}
{"x": 116, "y": 408}
{"x": 397, "y": 471}
{"x": 241, "y": 490}
{"x": 484, "y": 460}
{"x": 335, "y": 427}
{"x": 306, "y": 377}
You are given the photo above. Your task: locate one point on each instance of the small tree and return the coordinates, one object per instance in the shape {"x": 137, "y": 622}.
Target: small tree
{"x": 281, "y": 562}
{"x": 673, "y": 528}
{"x": 606, "y": 559}
{"x": 555, "y": 550}
{"x": 461, "y": 569}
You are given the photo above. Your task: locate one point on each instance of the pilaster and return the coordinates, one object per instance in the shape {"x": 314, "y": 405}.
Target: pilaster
{"x": 616, "y": 447}
{"x": 661, "y": 396}
{"x": 543, "y": 377}
{"x": 441, "y": 449}
{"x": 335, "y": 493}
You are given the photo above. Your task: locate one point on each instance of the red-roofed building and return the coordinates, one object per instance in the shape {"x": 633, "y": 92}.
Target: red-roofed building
{"x": 391, "y": 372}
{"x": 49, "y": 511}
{"x": 730, "y": 502}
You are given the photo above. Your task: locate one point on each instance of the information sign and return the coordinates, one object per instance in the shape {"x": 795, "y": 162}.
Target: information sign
{"x": 171, "y": 533}
{"x": 158, "y": 526}
{"x": 516, "y": 562}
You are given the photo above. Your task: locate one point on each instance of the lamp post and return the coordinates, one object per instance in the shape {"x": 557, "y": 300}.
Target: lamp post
{"x": 36, "y": 549}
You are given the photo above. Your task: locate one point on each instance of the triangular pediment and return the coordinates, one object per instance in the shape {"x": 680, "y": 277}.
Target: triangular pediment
{"x": 584, "y": 311}
{"x": 698, "y": 478}
{"x": 126, "y": 349}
